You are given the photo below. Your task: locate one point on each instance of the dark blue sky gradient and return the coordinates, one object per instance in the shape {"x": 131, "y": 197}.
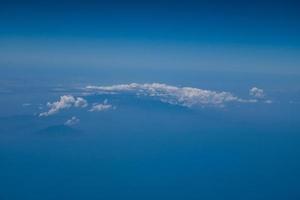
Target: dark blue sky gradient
{"x": 221, "y": 22}
{"x": 242, "y": 36}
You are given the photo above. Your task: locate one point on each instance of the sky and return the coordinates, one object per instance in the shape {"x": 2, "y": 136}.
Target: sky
{"x": 149, "y": 100}
{"x": 249, "y": 36}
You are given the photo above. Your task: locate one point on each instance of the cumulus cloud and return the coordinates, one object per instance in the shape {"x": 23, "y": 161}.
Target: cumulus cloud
{"x": 257, "y": 93}
{"x": 101, "y": 107}
{"x": 80, "y": 102}
{"x": 70, "y": 122}
{"x": 184, "y": 96}
{"x": 65, "y": 101}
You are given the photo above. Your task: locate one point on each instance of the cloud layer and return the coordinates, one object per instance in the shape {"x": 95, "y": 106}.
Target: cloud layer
{"x": 184, "y": 96}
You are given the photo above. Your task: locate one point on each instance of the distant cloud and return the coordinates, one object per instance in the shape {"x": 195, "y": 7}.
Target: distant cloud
{"x": 26, "y": 104}
{"x": 184, "y": 96}
{"x": 257, "y": 93}
{"x": 80, "y": 102}
{"x": 70, "y": 122}
{"x": 268, "y": 101}
{"x": 101, "y": 107}
{"x": 66, "y": 101}
{"x": 294, "y": 102}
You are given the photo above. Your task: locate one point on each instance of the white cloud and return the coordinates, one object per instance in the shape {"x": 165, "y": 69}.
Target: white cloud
{"x": 70, "y": 122}
{"x": 268, "y": 101}
{"x": 66, "y": 101}
{"x": 101, "y": 107}
{"x": 184, "y": 96}
{"x": 257, "y": 93}
{"x": 80, "y": 102}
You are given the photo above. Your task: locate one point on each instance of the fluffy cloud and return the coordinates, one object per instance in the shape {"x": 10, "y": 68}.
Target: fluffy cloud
{"x": 184, "y": 96}
{"x": 80, "y": 102}
{"x": 70, "y": 122}
{"x": 257, "y": 93}
{"x": 101, "y": 107}
{"x": 66, "y": 101}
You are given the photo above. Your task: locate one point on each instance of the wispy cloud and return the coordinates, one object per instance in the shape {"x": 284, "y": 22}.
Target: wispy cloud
{"x": 184, "y": 96}
{"x": 101, "y": 107}
{"x": 259, "y": 95}
{"x": 65, "y": 102}
{"x": 268, "y": 101}
{"x": 71, "y": 122}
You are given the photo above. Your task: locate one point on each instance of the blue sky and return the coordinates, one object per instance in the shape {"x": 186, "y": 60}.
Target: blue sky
{"x": 253, "y": 36}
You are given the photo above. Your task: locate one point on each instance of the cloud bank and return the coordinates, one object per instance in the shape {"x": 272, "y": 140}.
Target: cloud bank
{"x": 184, "y": 96}
{"x": 65, "y": 102}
